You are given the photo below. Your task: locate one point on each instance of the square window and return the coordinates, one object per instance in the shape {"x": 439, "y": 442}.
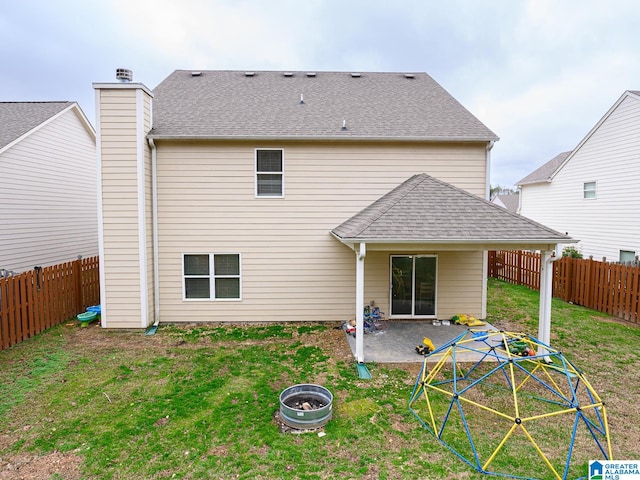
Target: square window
{"x": 269, "y": 173}
{"x": 211, "y": 276}
{"x": 228, "y": 288}
{"x": 196, "y": 265}
{"x": 226, "y": 264}
{"x": 627, "y": 256}
{"x": 197, "y": 287}
{"x": 589, "y": 190}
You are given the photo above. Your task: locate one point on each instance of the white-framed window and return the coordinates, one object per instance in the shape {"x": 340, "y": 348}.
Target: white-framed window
{"x": 211, "y": 276}
{"x": 270, "y": 172}
{"x": 589, "y": 190}
{"x": 627, "y": 256}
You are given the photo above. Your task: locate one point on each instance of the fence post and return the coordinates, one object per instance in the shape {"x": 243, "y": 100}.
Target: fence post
{"x": 77, "y": 280}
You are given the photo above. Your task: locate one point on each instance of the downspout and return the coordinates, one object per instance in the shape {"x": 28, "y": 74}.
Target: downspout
{"x": 154, "y": 209}
{"x": 546, "y": 288}
{"x": 487, "y": 192}
{"x": 360, "y": 255}
{"x": 485, "y": 254}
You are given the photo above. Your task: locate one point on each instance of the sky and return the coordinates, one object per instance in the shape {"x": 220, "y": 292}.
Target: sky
{"x": 538, "y": 73}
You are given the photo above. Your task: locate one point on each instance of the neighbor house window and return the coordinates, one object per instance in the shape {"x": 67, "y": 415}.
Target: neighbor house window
{"x": 269, "y": 173}
{"x": 627, "y": 256}
{"x": 589, "y": 190}
{"x": 214, "y": 276}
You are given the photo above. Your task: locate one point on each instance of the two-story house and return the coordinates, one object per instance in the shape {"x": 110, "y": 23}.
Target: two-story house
{"x": 261, "y": 196}
{"x": 48, "y": 187}
{"x": 591, "y": 192}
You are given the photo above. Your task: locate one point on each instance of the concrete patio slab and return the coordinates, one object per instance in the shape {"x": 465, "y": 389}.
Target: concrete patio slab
{"x": 396, "y": 341}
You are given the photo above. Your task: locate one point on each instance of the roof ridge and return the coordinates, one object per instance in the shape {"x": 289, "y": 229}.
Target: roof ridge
{"x": 398, "y": 72}
{"x": 37, "y": 101}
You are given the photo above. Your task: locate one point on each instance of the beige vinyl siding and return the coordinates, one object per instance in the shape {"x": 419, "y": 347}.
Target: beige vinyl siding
{"x": 460, "y": 283}
{"x": 120, "y": 212}
{"x": 48, "y": 198}
{"x": 292, "y": 268}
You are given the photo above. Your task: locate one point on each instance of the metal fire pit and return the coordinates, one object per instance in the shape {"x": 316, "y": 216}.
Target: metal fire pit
{"x": 305, "y": 406}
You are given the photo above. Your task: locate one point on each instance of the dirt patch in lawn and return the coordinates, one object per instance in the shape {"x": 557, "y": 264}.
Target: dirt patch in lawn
{"x": 33, "y": 467}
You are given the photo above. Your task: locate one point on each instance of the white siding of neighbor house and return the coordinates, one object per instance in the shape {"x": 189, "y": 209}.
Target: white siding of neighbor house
{"x": 126, "y": 264}
{"x": 48, "y": 212}
{"x": 609, "y": 156}
{"x": 292, "y": 267}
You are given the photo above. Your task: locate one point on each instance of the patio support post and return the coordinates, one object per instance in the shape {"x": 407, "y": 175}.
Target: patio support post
{"x": 546, "y": 282}
{"x": 360, "y": 254}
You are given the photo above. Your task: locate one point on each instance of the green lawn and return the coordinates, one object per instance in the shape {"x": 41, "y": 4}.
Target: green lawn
{"x": 199, "y": 401}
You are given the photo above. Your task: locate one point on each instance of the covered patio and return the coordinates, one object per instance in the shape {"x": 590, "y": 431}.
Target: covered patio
{"x": 395, "y": 341}
{"x": 425, "y": 214}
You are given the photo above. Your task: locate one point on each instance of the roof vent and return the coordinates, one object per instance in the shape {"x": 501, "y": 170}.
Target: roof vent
{"x": 123, "y": 75}
{"x": 344, "y": 124}
{"x": 355, "y": 75}
{"x": 311, "y": 74}
{"x": 301, "y": 98}
{"x": 288, "y": 74}
{"x": 409, "y": 75}
{"x": 196, "y": 74}
{"x": 249, "y": 74}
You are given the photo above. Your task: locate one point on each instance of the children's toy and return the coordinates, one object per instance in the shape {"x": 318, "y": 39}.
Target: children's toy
{"x": 427, "y": 346}
{"x": 521, "y": 394}
{"x": 468, "y": 320}
{"x": 372, "y": 318}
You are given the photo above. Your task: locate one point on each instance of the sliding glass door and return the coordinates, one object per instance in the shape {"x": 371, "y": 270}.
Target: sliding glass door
{"x": 413, "y": 285}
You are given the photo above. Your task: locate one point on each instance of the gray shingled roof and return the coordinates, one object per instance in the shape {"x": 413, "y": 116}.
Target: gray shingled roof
{"x": 546, "y": 171}
{"x": 510, "y": 201}
{"x": 427, "y": 210}
{"x": 231, "y": 104}
{"x": 18, "y": 118}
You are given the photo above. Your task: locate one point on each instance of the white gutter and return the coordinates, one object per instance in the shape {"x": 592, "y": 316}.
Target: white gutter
{"x": 350, "y": 241}
{"x": 361, "y": 253}
{"x": 487, "y": 192}
{"x": 154, "y": 220}
{"x": 519, "y": 200}
{"x": 311, "y": 138}
{"x": 485, "y": 253}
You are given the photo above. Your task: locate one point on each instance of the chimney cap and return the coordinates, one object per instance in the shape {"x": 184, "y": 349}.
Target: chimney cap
{"x": 124, "y": 75}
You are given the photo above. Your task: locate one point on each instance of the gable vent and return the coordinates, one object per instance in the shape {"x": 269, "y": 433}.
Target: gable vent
{"x": 249, "y": 74}
{"x": 409, "y": 75}
{"x": 311, "y": 74}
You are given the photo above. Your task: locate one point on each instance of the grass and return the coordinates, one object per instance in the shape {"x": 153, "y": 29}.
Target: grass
{"x": 199, "y": 401}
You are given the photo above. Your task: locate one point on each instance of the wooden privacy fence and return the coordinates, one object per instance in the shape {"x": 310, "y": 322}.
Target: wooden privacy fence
{"x": 610, "y": 288}
{"x": 39, "y": 299}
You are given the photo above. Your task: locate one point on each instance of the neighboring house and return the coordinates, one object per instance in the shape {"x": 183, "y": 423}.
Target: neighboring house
{"x": 507, "y": 200}
{"x": 592, "y": 192}
{"x": 260, "y": 196}
{"x": 48, "y": 180}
